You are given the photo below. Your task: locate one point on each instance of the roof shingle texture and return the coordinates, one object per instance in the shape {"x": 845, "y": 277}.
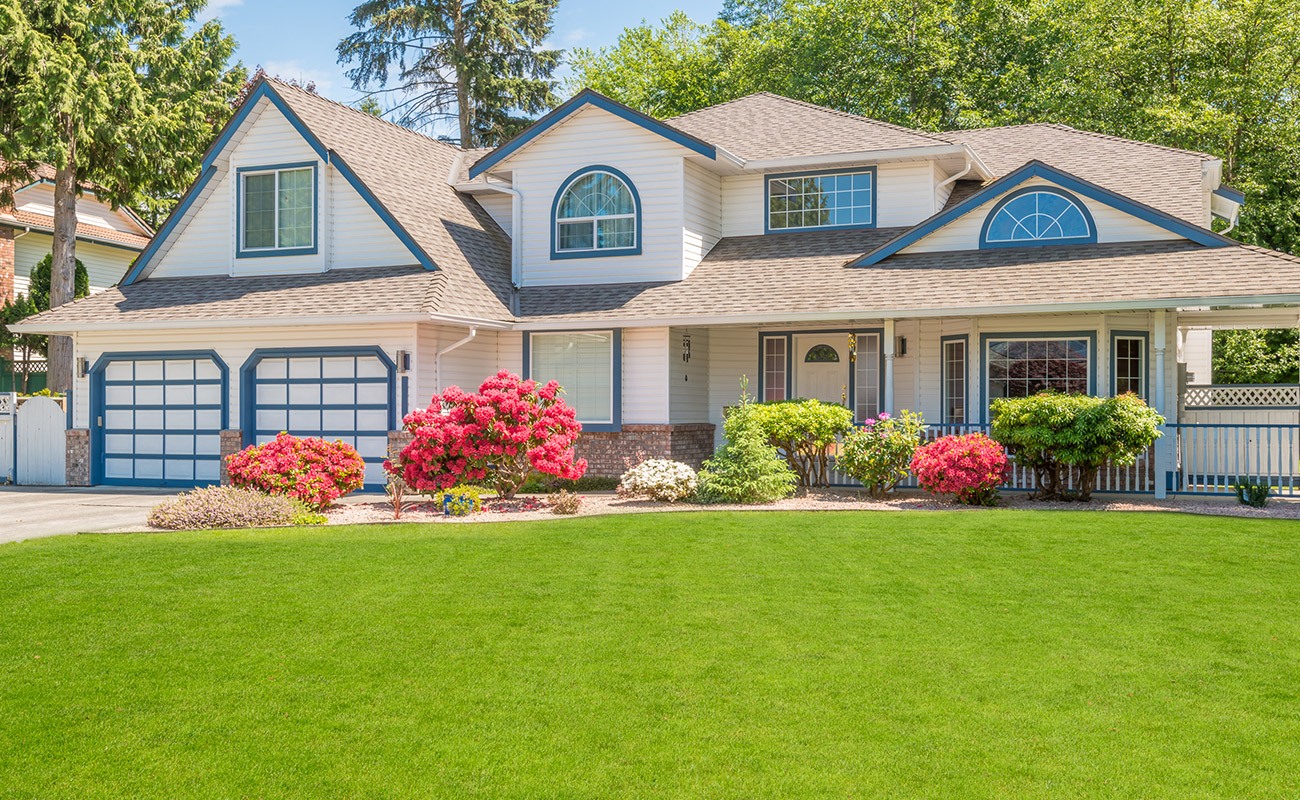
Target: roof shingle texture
{"x": 804, "y": 273}
{"x": 84, "y": 230}
{"x": 762, "y": 126}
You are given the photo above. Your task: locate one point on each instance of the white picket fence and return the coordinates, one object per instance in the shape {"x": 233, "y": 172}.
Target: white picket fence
{"x": 8, "y": 410}
{"x": 32, "y": 441}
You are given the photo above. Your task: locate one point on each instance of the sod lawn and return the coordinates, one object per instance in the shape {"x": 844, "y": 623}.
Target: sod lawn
{"x": 713, "y": 655}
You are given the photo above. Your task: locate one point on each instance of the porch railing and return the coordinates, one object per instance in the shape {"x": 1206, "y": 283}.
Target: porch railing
{"x": 1210, "y": 457}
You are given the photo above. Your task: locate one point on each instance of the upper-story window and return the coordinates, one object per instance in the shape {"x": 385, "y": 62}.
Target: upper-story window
{"x": 1038, "y": 216}
{"x": 597, "y": 213}
{"x": 277, "y": 210}
{"x": 821, "y": 200}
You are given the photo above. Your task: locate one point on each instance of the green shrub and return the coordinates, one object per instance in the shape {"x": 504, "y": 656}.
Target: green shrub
{"x": 878, "y": 453}
{"x": 746, "y": 469}
{"x": 548, "y": 484}
{"x": 1253, "y": 492}
{"x": 459, "y": 501}
{"x": 804, "y": 432}
{"x": 230, "y": 507}
{"x": 1052, "y": 433}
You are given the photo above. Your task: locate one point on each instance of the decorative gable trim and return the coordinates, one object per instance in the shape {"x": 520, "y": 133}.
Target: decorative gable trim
{"x": 1038, "y": 169}
{"x": 588, "y": 97}
{"x": 264, "y": 89}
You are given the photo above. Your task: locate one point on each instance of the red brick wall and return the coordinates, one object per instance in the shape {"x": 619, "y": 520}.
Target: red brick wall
{"x": 7, "y": 264}
{"x": 611, "y": 453}
{"x": 77, "y": 464}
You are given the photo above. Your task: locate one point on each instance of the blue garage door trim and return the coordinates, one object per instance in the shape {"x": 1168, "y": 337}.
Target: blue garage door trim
{"x": 107, "y": 416}
{"x": 250, "y": 405}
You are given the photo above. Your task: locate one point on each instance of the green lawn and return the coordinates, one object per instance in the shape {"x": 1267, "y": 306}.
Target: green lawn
{"x": 998, "y": 654}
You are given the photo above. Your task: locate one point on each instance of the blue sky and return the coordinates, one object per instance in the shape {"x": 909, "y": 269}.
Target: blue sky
{"x": 297, "y": 39}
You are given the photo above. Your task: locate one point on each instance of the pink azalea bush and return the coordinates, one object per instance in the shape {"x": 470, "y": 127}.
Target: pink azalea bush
{"x": 312, "y": 470}
{"x": 969, "y": 468}
{"x": 499, "y": 436}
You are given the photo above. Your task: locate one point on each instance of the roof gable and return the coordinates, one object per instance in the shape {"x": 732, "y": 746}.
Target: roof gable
{"x": 1071, "y": 183}
{"x": 584, "y": 99}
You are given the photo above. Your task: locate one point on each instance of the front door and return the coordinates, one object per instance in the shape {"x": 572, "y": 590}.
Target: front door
{"x": 821, "y": 366}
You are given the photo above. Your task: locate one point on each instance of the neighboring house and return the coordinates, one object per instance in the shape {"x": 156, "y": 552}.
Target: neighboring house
{"x": 330, "y": 271}
{"x": 108, "y": 240}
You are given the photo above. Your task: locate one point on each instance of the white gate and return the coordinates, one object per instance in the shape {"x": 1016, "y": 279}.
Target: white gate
{"x": 8, "y": 405}
{"x": 41, "y": 443}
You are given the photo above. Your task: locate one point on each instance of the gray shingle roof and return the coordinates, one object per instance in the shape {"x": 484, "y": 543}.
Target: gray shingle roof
{"x": 806, "y": 273}
{"x": 1162, "y": 177}
{"x": 762, "y": 126}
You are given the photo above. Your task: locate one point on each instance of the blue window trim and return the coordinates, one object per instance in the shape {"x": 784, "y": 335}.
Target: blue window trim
{"x": 1091, "y": 238}
{"x": 588, "y": 97}
{"x": 964, "y": 338}
{"x": 1091, "y": 336}
{"x": 264, "y": 252}
{"x": 557, "y": 254}
{"x": 248, "y": 388}
{"x": 209, "y": 169}
{"x": 851, "y": 364}
{"x": 98, "y": 401}
{"x": 616, "y": 407}
{"x": 767, "y": 199}
{"x": 1037, "y": 169}
{"x": 1146, "y": 360}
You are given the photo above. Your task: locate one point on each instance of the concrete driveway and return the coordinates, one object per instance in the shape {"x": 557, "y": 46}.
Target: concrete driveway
{"x": 27, "y": 512}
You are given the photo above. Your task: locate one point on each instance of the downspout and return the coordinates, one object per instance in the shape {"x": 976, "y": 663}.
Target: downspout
{"x": 1231, "y": 224}
{"x": 437, "y": 357}
{"x": 952, "y": 179}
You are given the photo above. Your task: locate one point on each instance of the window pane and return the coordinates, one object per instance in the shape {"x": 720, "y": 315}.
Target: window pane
{"x": 259, "y": 210}
{"x": 818, "y": 201}
{"x": 954, "y": 382}
{"x": 577, "y": 235}
{"x": 1040, "y": 216}
{"x": 295, "y": 199}
{"x": 774, "y": 368}
{"x": 1025, "y": 367}
{"x": 607, "y": 209}
{"x": 866, "y": 378}
{"x": 583, "y": 365}
{"x": 616, "y": 232}
{"x": 1130, "y": 372}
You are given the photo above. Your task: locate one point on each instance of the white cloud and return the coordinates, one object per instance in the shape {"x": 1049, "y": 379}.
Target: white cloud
{"x": 574, "y": 36}
{"x": 295, "y": 71}
{"x": 214, "y": 8}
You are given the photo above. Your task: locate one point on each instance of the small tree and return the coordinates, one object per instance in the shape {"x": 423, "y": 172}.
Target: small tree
{"x": 26, "y": 346}
{"x": 803, "y": 432}
{"x": 877, "y": 454}
{"x": 1053, "y": 433}
{"x": 747, "y": 469}
{"x": 511, "y": 428}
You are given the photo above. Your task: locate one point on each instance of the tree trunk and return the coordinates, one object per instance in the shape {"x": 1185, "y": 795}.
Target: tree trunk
{"x": 63, "y": 268}
{"x": 462, "y": 80}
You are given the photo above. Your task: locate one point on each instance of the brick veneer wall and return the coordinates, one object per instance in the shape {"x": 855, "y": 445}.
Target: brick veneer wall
{"x": 396, "y": 441}
{"x": 232, "y": 441}
{"x": 8, "y": 264}
{"x": 76, "y": 471}
{"x": 609, "y": 453}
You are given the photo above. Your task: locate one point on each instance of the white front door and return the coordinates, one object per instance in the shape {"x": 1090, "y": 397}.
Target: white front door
{"x": 821, "y": 368}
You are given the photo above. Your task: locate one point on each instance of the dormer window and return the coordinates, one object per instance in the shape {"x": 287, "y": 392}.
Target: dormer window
{"x": 1038, "y": 216}
{"x": 277, "y": 210}
{"x": 597, "y": 213}
{"x": 812, "y": 200}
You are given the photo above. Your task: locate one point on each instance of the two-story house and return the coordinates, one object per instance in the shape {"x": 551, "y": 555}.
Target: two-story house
{"x": 330, "y": 271}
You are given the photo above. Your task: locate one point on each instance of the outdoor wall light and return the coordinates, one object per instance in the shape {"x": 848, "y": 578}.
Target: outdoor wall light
{"x": 403, "y": 362}
{"x": 83, "y": 367}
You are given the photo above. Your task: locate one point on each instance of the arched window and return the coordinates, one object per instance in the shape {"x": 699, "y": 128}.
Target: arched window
{"x": 821, "y": 354}
{"x": 1038, "y": 216}
{"x": 597, "y": 213}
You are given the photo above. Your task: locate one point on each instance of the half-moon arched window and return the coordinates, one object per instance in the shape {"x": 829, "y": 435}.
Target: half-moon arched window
{"x": 821, "y": 354}
{"x": 597, "y": 212}
{"x": 1038, "y": 216}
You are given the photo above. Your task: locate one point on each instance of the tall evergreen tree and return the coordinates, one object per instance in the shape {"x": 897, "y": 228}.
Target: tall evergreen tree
{"x": 480, "y": 62}
{"x": 124, "y": 94}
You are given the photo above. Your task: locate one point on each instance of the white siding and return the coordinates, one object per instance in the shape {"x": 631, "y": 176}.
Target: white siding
{"x": 39, "y": 199}
{"x": 703, "y": 214}
{"x": 498, "y": 206}
{"x": 594, "y": 137}
{"x": 468, "y": 365}
{"x": 742, "y": 205}
{"x": 104, "y": 265}
{"x": 1197, "y": 349}
{"x": 349, "y": 234}
{"x": 1112, "y": 226}
{"x": 645, "y": 375}
{"x": 689, "y": 380}
{"x": 733, "y": 354}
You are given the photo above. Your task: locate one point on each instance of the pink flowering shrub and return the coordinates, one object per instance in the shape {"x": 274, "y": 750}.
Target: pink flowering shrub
{"x": 312, "y": 470}
{"x": 970, "y": 468}
{"x": 498, "y": 437}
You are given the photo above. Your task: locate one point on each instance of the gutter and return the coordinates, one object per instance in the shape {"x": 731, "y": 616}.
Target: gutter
{"x": 437, "y": 357}
{"x": 930, "y": 151}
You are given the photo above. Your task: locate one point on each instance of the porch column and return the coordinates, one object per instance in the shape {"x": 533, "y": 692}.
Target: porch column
{"x": 1163, "y": 446}
{"x": 888, "y": 404}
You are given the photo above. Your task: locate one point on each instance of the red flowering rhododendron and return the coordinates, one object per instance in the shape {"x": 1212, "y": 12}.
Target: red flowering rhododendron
{"x": 313, "y": 470}
{"x": 498, "y": 437}
{"x": 970, "y": 468}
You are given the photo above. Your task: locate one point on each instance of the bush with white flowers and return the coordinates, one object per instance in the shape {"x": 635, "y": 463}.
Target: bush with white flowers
{"x": 658, "y": 479}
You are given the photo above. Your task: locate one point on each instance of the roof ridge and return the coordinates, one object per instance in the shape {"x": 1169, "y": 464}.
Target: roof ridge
{"x": 1084, "y": 132}
{"x": 817, "y": 107}
{"x": 366, "y": 115}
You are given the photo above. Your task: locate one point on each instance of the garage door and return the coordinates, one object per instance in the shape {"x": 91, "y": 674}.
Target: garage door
{"x": 334, "y": 394}
{"x": 160, "y": 418}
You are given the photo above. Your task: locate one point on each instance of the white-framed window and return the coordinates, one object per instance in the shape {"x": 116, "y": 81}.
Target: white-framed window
{"x": 822, "y": 200}
{"x": 775, "y": 366}
{"x": 954, "y": 381}
{"x": 596, "y": 213}
{"x": 585, "y": 365}
{"x": 277, "y": 209}
{"x": 866, "y": 376}
{"x": 1023, "y": 367}
{"x": 1130, "y": 364}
